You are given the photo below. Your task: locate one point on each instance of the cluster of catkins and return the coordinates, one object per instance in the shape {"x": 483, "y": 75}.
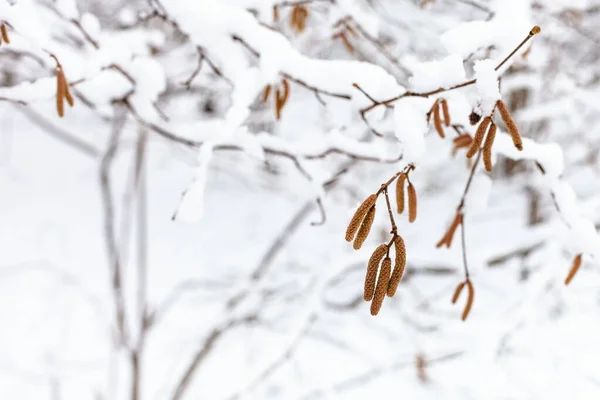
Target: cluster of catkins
{"x": 380, "y": 279}
{"x": 281, "y": 96}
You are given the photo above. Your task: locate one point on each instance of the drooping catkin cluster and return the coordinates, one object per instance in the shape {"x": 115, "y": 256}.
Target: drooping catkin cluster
{"x": 511, "y": 127}
{"x": 574, "y": 268}
{"x": 281, "y": 95}
{"x": 470, "y": 296}
{"x": 298, "y": 18}
{"x": 62, "y": 91}
{"x": 439, "y": 109}
{"x": 380, "y": 278}
{"x": 4, "y": 34}
{"x": 412, "y": 196}
{"x": 449, "y": 235}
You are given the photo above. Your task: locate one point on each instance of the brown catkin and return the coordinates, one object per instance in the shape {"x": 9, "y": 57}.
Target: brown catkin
{"x": 396, "y": 277}
{"x": 470, "y": 298}
{"x": 574, "y": 269}
{"x": 358, "y": 216}
{"x": 4, "y": 33}
{"x": 400, "y": 192}
{"x": 275, "y": 13}
{"x": 68, "y": 94}
{"x": 286, "y": 92}
{"x": 478, "y": 137}
{"x": 266, "y": 93}
{"x": 382, "y": 284}
{"x": 449, "y": 235}
{"x": 278, "y": 105}
{"x": 457, "y": 292}
{"x": 437, "y": 122}
{"x": 372, "y": 267}
{"x": 60, "y": 91}
{"x": 487, "y": 147}
{"x": 446, "y": 112}
{"x": 463, "y": 140}
{"x": 365, "y": 228}
{"x": 412, "y": 203}
{"x": 511, "y": 127}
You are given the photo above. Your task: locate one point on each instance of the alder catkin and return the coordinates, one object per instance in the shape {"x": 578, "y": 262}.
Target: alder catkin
{"x": 266, "y": 93}
{"x": 478, "y": 137}
{"x": 372, "y": 267}
{"x": 487, "y": 147}
{"x": 470, "y": 298}
{"x": 4, "y": 33}
{"x": 457, "y": 292}
{"x": 382, "y": 284}
{"x": 463, "y": 140}
{"x": 446, "y": 112}
{"x": 412, "y": 203}
{"x": 400, "y": 192}
{"x": 396, "y": 277}
{"x": 68, "y": 94}
{"x": 286, "y": 92}
{"x": 437, "y": 122}
{"x": 365, "y": 228}
{"x": 511, "y": 127}
{"x": 358, "y": 216}
{"x": 278, "y": 105}
{"x": 574, "y": 268}
{"x": 60, "y": 91}
{"x": 449, "y": 235}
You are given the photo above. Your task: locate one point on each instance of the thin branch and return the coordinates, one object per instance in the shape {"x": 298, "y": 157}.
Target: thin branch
{"x": 109, "y": 222}
{"x": 59, "y": 133}
{"x": 389, "y": 101}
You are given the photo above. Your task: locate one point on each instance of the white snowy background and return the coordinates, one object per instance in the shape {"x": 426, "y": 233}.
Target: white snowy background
{"x": 226, "y": 225}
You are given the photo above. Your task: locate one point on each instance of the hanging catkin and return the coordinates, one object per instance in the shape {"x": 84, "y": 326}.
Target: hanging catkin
{"x": 511, "y": 127}
{"x": 382, "y": 285}
{"x": 412, "y": 203}
{"x": 478, "y": 139}
{"x": 372, "y": 267}
{"x": 400, "y": 192}
{"x": 396, "y": 277}
{"x": 358, "y": 217}
{"x": 487, "y": 147}
{"x": 365, "y": 228}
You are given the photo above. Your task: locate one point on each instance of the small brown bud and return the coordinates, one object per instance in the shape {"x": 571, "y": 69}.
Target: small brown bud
{"x": 487, "y": 147}
{"x": 437, "y": 122}
{"x": 474, "y": 118}
{"x": 511, "y": 127}
{"x": 365, "y": 228}
{"x": 382, "y": 285}
{"x": 372, "y": 266}
{"x": 396, "y": 277}
{"x": 574, "y": 268}
{"x": 446, "y": 112}
{"x": 412, "y": 203}
{"x": 535, "y": 30}
{"x": 470, "y": 298}
{"x": 358, "y": 216}
{"x": 400, "y": 192}
{"x": 479, "y": 134}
